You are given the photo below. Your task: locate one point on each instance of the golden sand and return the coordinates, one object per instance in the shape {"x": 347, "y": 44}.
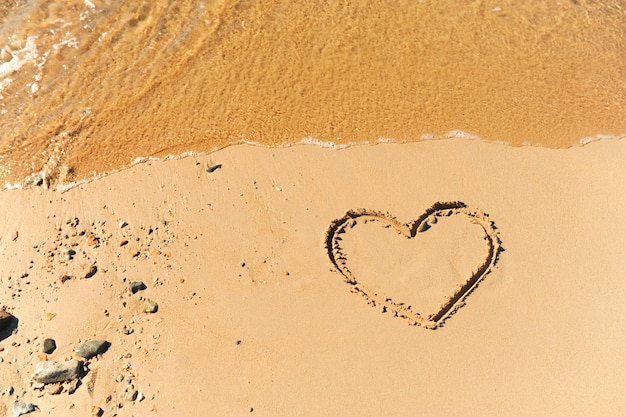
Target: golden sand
{"x": 253, "y": 315}
{"x": 157, "y": 79}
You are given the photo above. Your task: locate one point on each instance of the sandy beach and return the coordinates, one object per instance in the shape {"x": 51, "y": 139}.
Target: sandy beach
{"x": 295, "y": 208}
{"x": 254, "y": 319}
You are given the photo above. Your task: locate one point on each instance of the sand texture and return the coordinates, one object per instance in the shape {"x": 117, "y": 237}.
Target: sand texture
{"x": 96, "y": 84}
{"x": 254, "y": 318}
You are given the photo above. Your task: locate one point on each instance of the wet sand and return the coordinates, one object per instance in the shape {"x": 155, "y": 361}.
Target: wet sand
{"x": 254, "y": 318}
{"x": 100, "y": 85}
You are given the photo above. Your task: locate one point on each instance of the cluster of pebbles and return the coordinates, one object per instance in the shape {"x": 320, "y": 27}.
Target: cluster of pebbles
{"x": 71, "y": 257}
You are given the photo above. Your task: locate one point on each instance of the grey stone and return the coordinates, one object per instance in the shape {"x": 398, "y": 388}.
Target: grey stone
{"x": 49, "y": 346}
{"x": 136, "y": 286}
{"x": 67, "y": 254}
{"x": 92, "y": 348}
{"x": 150, "y": 306}
{"x": 48, "y": 372}
{"x": 213, "y": 168}
{"x": 36, "y": 178}
{"x": 20, "y": 409}
{"x": 131, "y": 395}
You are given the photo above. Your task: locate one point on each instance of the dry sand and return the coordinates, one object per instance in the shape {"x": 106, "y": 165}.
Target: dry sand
{"x": 254, "y": 319}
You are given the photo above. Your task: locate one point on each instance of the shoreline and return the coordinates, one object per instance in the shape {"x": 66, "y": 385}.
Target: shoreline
{"x": 52, "y": 179}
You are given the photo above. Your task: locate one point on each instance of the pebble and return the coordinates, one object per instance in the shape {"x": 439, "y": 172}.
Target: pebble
{"x": 72, "y": 386}
{"x": 48, "y": 372}
{"x": 53, "y": 389}
{"x": 67, "y": 254}
{"x": 140, "y": 396}
{"x": 90, "y": 271}
{"x": 136, "y": 286}
{"x": 96, "y": 411}
{"x": 36, "y": 179}
{"x": 92, "y": 348}
{"x": 49, "y": 346}
{"x": 5, "y": 319}
{"x": 213, "y": 168}
{"x": 23, "y": 408}
{"x": 131, "y": 395}
{"x": 64, "y": 278}
{"x": 93, "y": 240}
{"x": 150, "y": 306}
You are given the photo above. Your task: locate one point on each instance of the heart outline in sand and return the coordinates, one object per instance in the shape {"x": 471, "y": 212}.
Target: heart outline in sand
{"x": 410, "y": 230}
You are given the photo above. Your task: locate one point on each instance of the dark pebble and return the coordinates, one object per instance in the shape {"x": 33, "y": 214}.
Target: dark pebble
{"x": 49, "y": 346}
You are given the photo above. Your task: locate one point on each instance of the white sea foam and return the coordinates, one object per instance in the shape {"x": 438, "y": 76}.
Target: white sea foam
{"x": 462, "y": 135}
{"x": 600, "y": 136}
{"x": 19, "y": 58}
{"x": 323, "y": 144}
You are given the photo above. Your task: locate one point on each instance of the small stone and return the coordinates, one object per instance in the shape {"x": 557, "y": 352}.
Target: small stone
{"x": 140, "y": 396}
{"x": 53, "y": 389}
{"x": 49, "y": 346}
{"x": 131, "y": 395}
{"x": 48, "y": 372}
{"x": 124, "y": 242}
{"x": 92, "y": 348}
{"x": 90, "y": 270}
{"x": 96, "y": 411}
{"x": 123, "y": 225}
{"x": 93, "y": 240}
{"x": 119, "y": 378}
{"x": 211, "y": 169}
{"x": 136, "y": 286}
{"x": 150, "y": 306}
{"x": 23, "y": 408}
{"x": 15, "y": 235}
{"x": 67, "y": 254}
{"x": 49, "y": 316}
{"x": 72, "y": 386}
{"x": 5, "y": 319}
{"x": 36, "y": 179}
{"x": 64, "y": 278}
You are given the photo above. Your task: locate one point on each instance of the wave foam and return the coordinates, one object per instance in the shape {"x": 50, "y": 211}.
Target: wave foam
{"x": 42, "y": 178}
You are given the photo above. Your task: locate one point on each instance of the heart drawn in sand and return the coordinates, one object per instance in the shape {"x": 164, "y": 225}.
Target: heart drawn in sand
{"x": 427, "y": 276}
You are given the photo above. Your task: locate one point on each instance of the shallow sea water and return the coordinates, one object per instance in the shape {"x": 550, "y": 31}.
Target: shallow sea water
{"x": 89, "y": 86}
